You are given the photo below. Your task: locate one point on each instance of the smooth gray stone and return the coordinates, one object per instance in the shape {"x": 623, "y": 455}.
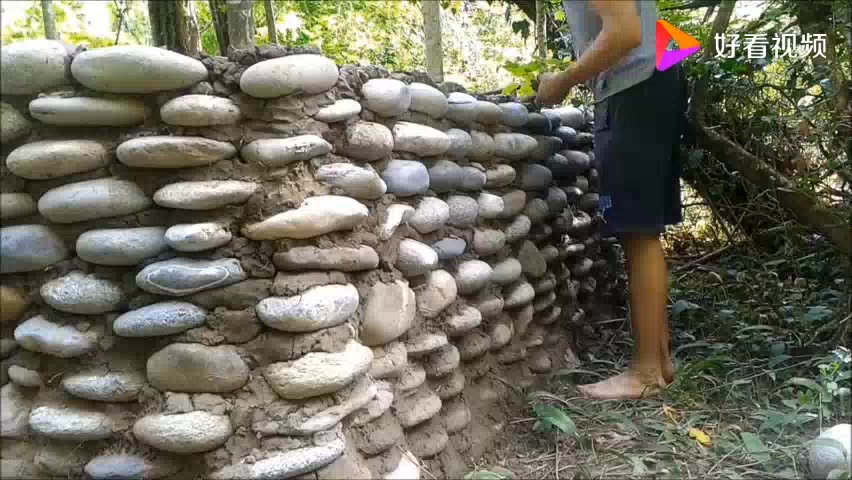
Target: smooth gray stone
{"x": 368, "y": 141}
{"x": 116, "y": 467}
{"x": 88, "y": 111}
{"x": 15, "y": 406}
{"x": 532, "y": 262}
{"x": 514, "y": 203}
{"x": 38, "y": 335}
{"x": 16, "y": 205}
{"x": 8, "y": 346}
{"x": 279, "y": 152}
{"x": 180, "y": 277}
{"x": 488, "y": 113}
{"x": 473, "y": 179}
{"x": 193, "y": 432}
{"x": 444, "y": 176}
{"x": 320, "y": 307}
{"x": 463, "y": 211}
{"x": 29, "y": 248}
{"x": 70, "y": 424}
{"x": 163, "y": 151}
{"x": 488, "y": 241}
{"x": 196, "y": 368}
{"x": 121, "y": 246}
{"x": 499, "y": 176}
{"x": 471, "y": 276}
{"x": 320, "y": 373}
{"x": 406, "y": 178}
{"x": 92, "y": 199}
{"x": 339, "y": 259}
{"x": 423, "y": 140}
{"x": 506, "y": 272}
{"x": 460, "y": 143}
{"x": 24, "y": 377}
{"x": 204, "y": 195}
{"x": 490, "y": 205}
{"x": 386, "y": 96}
{"x": 357, "y": 182}
{"x": 536, "y": 210}
{"x": 482, "y": 146}
{"x": 197, "y": 237}
{"x": 340, "y": 111}
{"x": 13, "y": 125}
{"x": 449, "y": 248}
{"x": 556, "y": 200}
{"x": 163, "y": 318}
{"x": 518, "y": 229}
{"x": 461, "y": 108}
{"x": 514, "y": 114}
{"x": 314, "y": 217}
{"x": 430, "y": 215}
{"x": 536, "y": 177}
{"x": 105, "y": 386}
{"x": 57, "y": 158}
{"x": 82, "y": 294}
{"x": 415, "y": 258}
{"x": 389, "y": 311}
{"x": 200, "y": 111}
{"x": 428, "y": 100}
{"x": 32, "y": 66}
{"x": 519, "y": 294}
{"x": 305, "y": 73}
{"x": 514, "y": 146}
{"x": 136, "y": 69}
{"x": 571, "y": 117}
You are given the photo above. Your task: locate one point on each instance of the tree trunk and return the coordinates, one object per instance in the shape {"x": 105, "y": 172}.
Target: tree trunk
{"x": 49, "y": 20}
{"x": 220, "y": 24}
{"x": 187, "y": 28}
{"x": 270, "y": 21}
{"x": 541, "y": 28}
{"x": 240, "y": 23}
{"x": 164, "y": 25}
{"x": 432, "y": 31}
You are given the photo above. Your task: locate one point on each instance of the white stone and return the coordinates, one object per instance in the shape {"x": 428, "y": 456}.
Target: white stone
{"x": 315, "y": 216}
{"x": 319, "y": 307}
{"x": 204, "y": 195}
{"x": 488, "y": 113}
{"x": 163, "y": 151}
{"x": 278, "y": 152}
{"x": 340, "y": 111}
{"x": 32, "y": 66}
{"x": 386, "y": 96}
{"x": 15, "y": 205}
{"x": 415, "y": 258}
{"x": 319, "y": 373}
{"x": 482, "y": 146}
{"x": 13, "y": 125}
{"x": 431, "y": 214}
{"x": 70, "y": 424}
{"x": 306, "y": 74}
{"x": 15, "y": 407}
{"x": 136, "y": 69}
{"x": 461, "y": 108}
{"x": 514, "y": 146}
{"x": 460, "y": 143}
{"x": 163, "y": 318}
{"x": 408, "y": 468}
{"x": 200, "y": 111}
{"x": 393, "y": 216}
{"x": 88, "y": 111}
{"x": 29, "y": 248}
{"x": 420, "y": 139}
{"x": 92, "y": 199}
{"x": 490, "y": 205}
{"x": 428, "y": 100}
{"x": 105, "y": 386}
{"x": 357, "y": 182}
{"x": 57, "y": 158}
{"x": 368, "y": 141}
{"x": 438, "y": 293}
{"x": 193, "y": 432}
{"x": 185, "y": 276}
{"x": 197, "y": 237}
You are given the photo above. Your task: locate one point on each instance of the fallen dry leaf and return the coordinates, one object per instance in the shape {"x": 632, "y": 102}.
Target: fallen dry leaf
{"x": 700, "y": 437}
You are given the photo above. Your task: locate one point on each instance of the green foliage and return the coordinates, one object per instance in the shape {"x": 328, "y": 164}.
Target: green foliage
{"x": 526, "y": 74}
{"x": 550, "y": 419}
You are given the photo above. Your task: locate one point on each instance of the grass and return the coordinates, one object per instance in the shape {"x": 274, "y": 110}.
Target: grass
{"x": 761, "y": 370}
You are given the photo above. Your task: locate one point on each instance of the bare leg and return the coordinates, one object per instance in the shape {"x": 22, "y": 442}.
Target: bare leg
{"x": 648, "y": 283}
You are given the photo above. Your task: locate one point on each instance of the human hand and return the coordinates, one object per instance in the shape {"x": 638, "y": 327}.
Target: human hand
{"x": 552, "y": 88}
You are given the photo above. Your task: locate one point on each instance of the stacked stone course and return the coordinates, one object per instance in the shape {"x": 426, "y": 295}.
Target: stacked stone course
{"x": 269, "y": 266}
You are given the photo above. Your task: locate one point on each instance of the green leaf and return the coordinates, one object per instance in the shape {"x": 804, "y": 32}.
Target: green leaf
{"x": 819, "y": 313}
{"x": 555, "y": 417}
{"x": 806, "y": 382}
{"x": 755, "y": 447}
{"x": 681, "y": 306}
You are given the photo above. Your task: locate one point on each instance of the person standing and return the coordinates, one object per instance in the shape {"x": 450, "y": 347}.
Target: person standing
{"x": 637, "y": 126}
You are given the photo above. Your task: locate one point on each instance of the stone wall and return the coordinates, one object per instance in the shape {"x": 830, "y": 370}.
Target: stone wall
{"x": 269, "y": 266}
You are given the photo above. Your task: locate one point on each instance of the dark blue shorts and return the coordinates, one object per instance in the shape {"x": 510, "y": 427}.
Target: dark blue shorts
{"x": 637, "y": 136}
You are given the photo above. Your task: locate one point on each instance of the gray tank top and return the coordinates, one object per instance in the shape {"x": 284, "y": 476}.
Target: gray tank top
{"x": 636, "y": 67}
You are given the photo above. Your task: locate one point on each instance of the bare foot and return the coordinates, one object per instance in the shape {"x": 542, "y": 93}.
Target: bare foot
{"x": 668, "y": 371}
{"x": 629, "y": 385}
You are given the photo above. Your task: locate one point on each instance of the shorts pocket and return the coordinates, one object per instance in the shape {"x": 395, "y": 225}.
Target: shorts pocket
{"x": 602, "y": 116}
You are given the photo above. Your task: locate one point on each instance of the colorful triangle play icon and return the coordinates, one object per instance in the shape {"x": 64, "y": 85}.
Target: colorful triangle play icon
{"x": 686, "y": 45}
